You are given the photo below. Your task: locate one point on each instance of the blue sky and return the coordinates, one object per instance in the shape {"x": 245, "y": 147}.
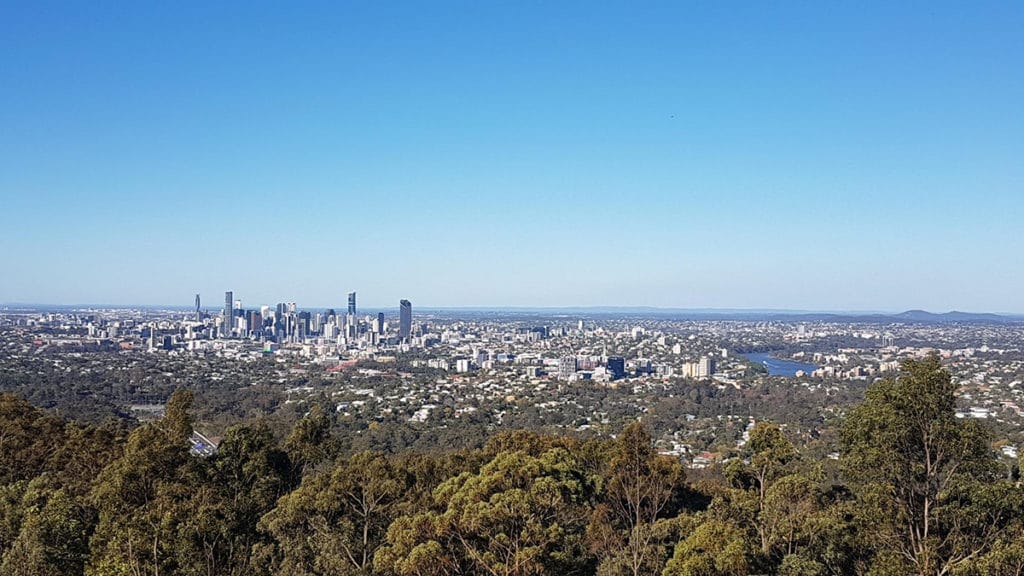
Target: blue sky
{"x": 803, "y": 155}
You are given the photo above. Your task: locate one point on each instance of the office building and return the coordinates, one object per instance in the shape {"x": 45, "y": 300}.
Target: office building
{"x": 228, "y": 321}
{"x": 404, "y": 319}
{"x": 616, "y": 367}
{"x": 706, "y": 367}
{"x": 352, "y": 304}
{"x": 566, "y": 367}
{"x": 255, "y": 321}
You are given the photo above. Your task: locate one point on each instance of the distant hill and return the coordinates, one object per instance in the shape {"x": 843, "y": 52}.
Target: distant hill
{"x": 954, "y": 316}
{"x": 910, "y": 316}
{"x": 751, "y": 315}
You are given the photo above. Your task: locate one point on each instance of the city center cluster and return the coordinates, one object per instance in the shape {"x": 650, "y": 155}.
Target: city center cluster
{"x": 286, "y": 324}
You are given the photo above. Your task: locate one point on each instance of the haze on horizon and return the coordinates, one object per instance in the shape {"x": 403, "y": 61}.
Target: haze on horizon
{"x": 786, "y": 156}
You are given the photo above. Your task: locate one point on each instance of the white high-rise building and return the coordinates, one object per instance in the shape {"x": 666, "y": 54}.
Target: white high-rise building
{"x": 706, "y": 367}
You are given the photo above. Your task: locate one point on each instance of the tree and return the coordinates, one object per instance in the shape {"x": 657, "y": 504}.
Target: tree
{"x": 641, "y": 486}
{"x": 334, "y": 523}
{"x": 715, "y": 548}
{"x": 796, "y": 565}
{"x": 521, "y": 515}
{"x": 767, "y": 498}
{"x": 85, "y": 451}
{"x": 27, "y": 437}
{"x": 11, "y": 513}
{"x": 310, "y": 442}
{"x": 992, "y": 513}
{"x": 916, "y": 466}
{"x": 177, "y": 420}
{"x": 141, "y": 498}
{"x": 789, "y": 514}
{"x": 53, "y": 539}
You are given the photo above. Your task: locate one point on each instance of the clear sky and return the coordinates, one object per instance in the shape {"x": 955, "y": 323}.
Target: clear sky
{"x": 804, "y": 155}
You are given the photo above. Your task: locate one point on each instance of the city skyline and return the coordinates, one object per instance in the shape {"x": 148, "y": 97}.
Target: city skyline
{"x": 791, "y": 156}
{"x": 375, "y": 305}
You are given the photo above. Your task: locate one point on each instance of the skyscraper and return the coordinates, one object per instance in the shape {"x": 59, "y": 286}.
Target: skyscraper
{"x": 256, "y": 322}
{"x": 706, "y": 367}
{"x": 404, "y": 318}
{"x": 352, "y": 303}
{"x": 229, "y": 314}
{"x": 566, "y": 367}
{"x": 617, "y": 367}
{"x": 199, "y": 315}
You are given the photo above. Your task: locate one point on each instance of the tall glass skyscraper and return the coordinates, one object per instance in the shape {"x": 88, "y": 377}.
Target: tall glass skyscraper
{"x": 617, "y": 367}
{"x": 352, "y": 303}
{"x": 229, "y": 314}
{"x": 404, "y": 318}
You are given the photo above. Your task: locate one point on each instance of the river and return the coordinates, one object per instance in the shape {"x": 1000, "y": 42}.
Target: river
{"x": 778, "y": 367}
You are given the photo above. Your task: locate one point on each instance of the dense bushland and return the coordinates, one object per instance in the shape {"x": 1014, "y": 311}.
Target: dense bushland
{"x": 915, "y": 491}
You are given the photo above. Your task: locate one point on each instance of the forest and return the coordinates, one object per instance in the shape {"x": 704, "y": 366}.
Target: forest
{"x": 914, "y": 490}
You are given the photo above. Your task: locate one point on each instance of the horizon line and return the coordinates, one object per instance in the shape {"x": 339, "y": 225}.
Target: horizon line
{"x": 591, "y": 308}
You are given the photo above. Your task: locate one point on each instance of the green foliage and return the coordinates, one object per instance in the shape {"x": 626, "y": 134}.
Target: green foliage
{"x": 520, "y": 515}
{"x": 796, "y": 565}
{"x": 11, "y": 512}
{"x": 177, "y": 422}
{"x": 143, "y": 497}
{"x": 715, "y": 548}
{"x": 629, "y": 528}
{"x": 310, "y": 443}
{"x": 992, "y": 514}
{"x": 84, "y": 452}
{"x": 27, "y": 437}
{"x": 776, "y": 500}
{"x": 53, "y": 536}
{"x": 334, "y": 522}
{"x": 918, "y": 469}
{"x": 790, "y": 516}
{"x": 919, "y": 493}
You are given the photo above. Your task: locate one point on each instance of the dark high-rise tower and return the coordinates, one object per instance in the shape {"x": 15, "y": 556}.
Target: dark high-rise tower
{"x": 352, "y": 303}
{"x": 404, "y": 318}
{"x": 229, "y": 314}
{"x": 617, "y": 367}
{"x": 199, "y": 315}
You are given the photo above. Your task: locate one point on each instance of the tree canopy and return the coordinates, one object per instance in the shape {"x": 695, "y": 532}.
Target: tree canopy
{"x": 916, "y": 490}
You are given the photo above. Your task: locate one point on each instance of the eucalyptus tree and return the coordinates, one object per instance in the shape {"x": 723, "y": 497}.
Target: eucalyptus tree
{"x": 923, "y": 476}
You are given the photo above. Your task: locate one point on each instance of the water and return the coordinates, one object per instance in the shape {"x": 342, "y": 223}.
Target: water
{"x": 777, "y": 367}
